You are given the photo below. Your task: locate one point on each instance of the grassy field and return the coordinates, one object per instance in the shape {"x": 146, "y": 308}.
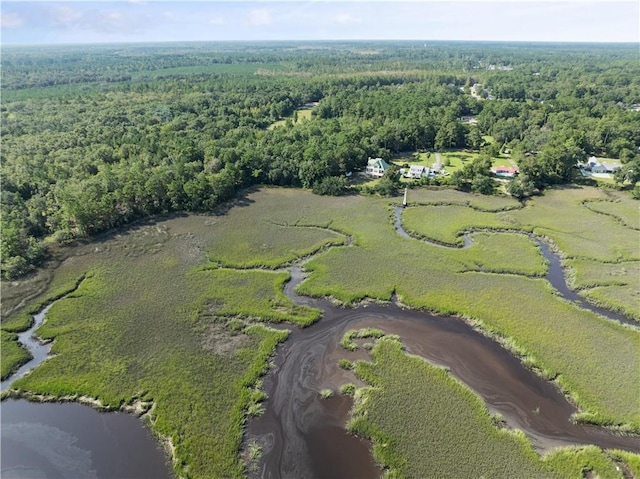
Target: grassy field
{"x": 302, "y": 115}
{"x": 158, "y": 318}
{"x": 440, "y": 417}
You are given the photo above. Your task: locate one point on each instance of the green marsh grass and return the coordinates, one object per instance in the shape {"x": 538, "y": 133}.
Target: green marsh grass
{"x": 445, "y": 196}
{"x": 419, "y": 418}
{"x": 598, "y": 357}
{"x": 619, "y": 206}
{"x": 578, "y": 461}
{"x": 153, "y": 323}
{"x": 630, "y": 459}
{"x": 154, "y": 320}
{"x": 13, "y": 354}
{"x": 445, "y": 224}
{"x": 326, "y": 393}
{"x": 576, "y": 230}
{"x": 272, "y": 243}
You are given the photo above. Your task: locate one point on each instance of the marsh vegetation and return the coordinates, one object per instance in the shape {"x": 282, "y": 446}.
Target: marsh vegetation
{"x": 172, "y": 309}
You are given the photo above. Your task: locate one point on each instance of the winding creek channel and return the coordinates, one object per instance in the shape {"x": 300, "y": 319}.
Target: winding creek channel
{"x": 303, "y": 435}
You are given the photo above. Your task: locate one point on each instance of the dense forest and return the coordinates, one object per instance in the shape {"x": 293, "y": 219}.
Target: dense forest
{"x": 94, "y": 137}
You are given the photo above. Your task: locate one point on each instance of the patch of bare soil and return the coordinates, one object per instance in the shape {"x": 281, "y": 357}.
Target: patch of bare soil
{"x": 223, "y": 342}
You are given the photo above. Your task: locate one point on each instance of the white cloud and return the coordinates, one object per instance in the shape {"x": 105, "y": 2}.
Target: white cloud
{"x": 260, "y": 17}
{"x": 347, "y": 19}
{"x": 65, "y": 16}
{"x": 11, "y": 20}
{"x": 216, "y": 20}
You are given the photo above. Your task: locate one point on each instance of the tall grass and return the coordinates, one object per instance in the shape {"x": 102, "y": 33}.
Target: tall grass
{"x": 445, "y": 224}
{"x": 420, "y": 420}
{"x": 13, "y": 354}
{"x": 154, "y": 320}
{"x": 424, "y": 423}
{"x": 598, "y": 358}
{"x": 154, "y": 325}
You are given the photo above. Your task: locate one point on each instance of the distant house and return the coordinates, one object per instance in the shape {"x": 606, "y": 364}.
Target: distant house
{"x": 417, "y": 172}
{"x": 376, "y": 167}
{"x": 468, "y": 119}
{"x": 598, "y": 167}
{"x": 504, "y": 171}
{"x": 610, "y": 167}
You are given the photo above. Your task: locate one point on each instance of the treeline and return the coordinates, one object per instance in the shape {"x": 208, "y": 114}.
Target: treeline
{"x": 90, "y": 159}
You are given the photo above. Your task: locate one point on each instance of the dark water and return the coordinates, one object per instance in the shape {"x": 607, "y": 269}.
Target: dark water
{"x": 38, "y": 350}
{"x": 70, "y": 440}
{"x": 297, "y": 422}
{"x": 304, "y": 436}
{"x": 555, "y": 275}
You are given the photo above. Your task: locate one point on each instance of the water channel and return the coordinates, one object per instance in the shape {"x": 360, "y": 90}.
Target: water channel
{"x": 70, "y": 440}
{"x": 303, "y": 435}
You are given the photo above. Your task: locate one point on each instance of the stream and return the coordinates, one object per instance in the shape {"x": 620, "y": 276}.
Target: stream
{"x": 302, "y": 435}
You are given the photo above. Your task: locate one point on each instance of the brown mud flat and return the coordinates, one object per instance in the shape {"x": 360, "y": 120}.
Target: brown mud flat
{"x": 303, "y": 435}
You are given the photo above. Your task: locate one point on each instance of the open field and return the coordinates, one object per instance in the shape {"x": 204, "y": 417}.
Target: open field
{"x": 302, "y": 115}
{"x": 439, "y": 416}
{"x": 157, "y": 318}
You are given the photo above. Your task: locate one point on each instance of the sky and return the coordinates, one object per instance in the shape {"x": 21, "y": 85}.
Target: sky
{"x": 52, "y": 22}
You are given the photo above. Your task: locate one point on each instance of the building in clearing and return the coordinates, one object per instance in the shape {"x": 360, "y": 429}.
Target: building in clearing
{"x": 376, "y": 167}
{"x": 417, "y": 172}
{"x": 504, "y": 171}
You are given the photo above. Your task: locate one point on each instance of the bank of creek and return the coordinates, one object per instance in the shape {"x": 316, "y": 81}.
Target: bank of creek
{"x": 71, "y": 440}
{"x": 302, "y": 435}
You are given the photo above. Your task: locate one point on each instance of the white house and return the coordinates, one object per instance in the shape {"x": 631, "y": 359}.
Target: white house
{"x": 468, "y": 119}
{"x": 376, "y": 167}
{"x": 417, "y": 171}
